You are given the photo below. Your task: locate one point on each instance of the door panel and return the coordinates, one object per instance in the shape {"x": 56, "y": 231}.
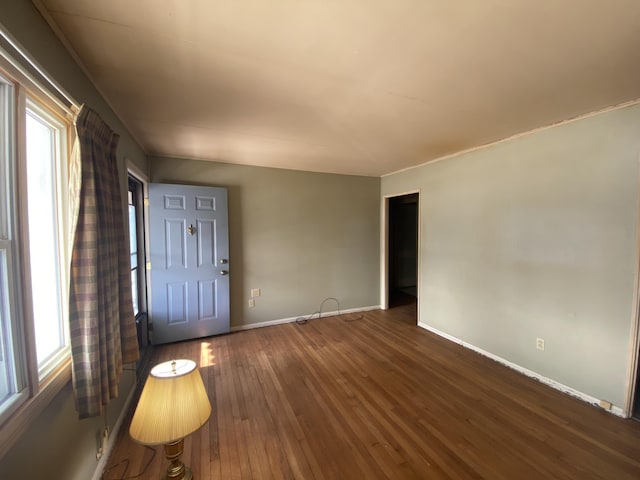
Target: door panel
{"x": 176, "y": 303}
{"x": 189, "y": 251}
{"x": 206, "y": 243}
{"x": 175, "y": 241}
{"x": 207, "y": 300}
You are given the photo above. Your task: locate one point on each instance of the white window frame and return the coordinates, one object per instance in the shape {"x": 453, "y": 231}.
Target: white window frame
{"x": 37, "y": 386}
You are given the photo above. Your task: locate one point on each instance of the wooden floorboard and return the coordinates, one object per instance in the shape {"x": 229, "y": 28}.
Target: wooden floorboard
{"x": 373, "y": 396}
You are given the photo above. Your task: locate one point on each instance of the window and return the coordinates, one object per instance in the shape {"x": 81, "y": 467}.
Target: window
{"x": 7, "y": 365}
{"x": 133, "y": 248}
{"x": 12, "y": 379}
{"x": 34, "y": 134}
{"x": 45, "y": 157}
{"x": 137, "y": 249}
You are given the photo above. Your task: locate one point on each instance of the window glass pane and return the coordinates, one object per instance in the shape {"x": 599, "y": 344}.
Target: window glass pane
{"x": 6, "y": 362}
{"x": 43, "y": 237}
{"x": 136, "y": 244}
{"x": 134, "y": 293}
{"x": 133, "y": 247}
{"x": 133, "y": 234}
{"x": 6, "y": 156}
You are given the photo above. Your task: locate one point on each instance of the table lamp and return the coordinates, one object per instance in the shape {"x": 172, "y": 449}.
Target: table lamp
{"x": 173, "y": 404}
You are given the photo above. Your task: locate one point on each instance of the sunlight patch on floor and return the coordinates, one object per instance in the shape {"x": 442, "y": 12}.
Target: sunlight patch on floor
{"x": 206, "y": 355}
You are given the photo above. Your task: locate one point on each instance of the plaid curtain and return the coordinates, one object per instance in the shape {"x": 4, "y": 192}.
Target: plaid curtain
{"x": 102, "y": 324}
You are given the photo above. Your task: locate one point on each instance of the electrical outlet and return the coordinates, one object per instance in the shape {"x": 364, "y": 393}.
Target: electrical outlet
{"x": 104, "y": 439}
{"x": 252, "y": 303}
{"x": 540, "y": 343}
{"x": 255, "y": 292}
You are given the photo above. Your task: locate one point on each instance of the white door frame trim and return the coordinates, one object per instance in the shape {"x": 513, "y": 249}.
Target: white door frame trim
{"x": 634, "y": 336}
{"x": 384, "y": 248}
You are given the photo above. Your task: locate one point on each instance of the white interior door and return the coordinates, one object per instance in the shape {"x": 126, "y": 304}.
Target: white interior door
{"x": 189, "y": 254}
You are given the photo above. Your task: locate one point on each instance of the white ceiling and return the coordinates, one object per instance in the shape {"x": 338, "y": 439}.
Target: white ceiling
{"x": 363, "y": 87}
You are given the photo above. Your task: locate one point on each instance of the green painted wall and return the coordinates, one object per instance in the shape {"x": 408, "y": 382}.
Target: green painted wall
{"x": 58, "y": 445}
{"x": 298, "y": 236}
{"x": 536, "y": 237}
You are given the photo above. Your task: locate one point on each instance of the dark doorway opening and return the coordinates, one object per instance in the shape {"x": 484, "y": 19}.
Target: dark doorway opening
{"x": 403, "y": 250}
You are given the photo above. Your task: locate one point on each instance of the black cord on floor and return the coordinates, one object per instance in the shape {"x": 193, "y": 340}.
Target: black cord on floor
{"x": 303, "y": 320}
{"x": 126, "y": 463}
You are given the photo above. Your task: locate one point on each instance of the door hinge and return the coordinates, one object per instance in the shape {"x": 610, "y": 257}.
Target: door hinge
{"x": 148, "y": 266}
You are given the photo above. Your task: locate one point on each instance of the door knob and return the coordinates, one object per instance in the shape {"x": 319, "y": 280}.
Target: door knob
{"x": 191, "y": 229}
{"x": 224, "y": 272}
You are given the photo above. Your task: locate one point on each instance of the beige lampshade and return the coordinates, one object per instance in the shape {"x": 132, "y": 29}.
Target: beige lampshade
{"x": 173, "y": 404}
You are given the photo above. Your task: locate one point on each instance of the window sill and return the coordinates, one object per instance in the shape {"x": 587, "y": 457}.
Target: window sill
{"x": 28, "y": 412}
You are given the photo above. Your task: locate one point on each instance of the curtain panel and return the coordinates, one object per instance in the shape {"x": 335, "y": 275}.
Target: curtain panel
{"x": 102, "y": 324}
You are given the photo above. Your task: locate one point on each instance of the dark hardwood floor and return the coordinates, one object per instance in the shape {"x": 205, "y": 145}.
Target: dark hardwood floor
{"x": 373, "y": 396}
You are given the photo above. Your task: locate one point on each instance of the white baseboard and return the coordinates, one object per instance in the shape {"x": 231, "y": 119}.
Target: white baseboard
{"x": 113, "y": 435}
{"x": 525, "y": 371}
{"x": 270, "y": 323}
